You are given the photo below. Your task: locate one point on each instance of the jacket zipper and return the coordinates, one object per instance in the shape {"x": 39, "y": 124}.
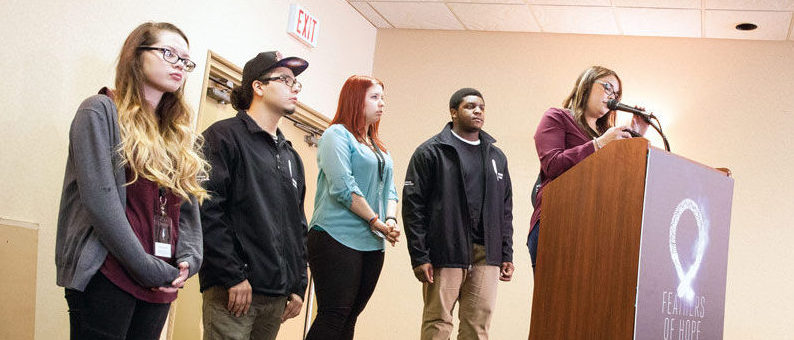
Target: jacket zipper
{"x": 485, "y": 155}
{"x": 469, "y": 244}
{"x": 281, "y": 237}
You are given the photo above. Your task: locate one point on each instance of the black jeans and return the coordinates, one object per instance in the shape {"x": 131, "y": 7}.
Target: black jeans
{"x": 104, "y": 311}
{"x": 344, "y": 280}
{"x": 532, "y": 243}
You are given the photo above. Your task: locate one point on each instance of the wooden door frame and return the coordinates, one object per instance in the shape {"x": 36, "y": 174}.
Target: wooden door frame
{"x": 304, "y": 115}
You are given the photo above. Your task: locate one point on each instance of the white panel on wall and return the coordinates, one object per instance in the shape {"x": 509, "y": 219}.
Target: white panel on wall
{"x": 483, "y": 17}
{"x": 659, "y": 22}
{"x": 658, "y": 3}
{"x": 418, "y": 15}
{"x": 753, "y": 5}
{"x": 371, "y": 14}
{"x": 570, "y": 2}
{"x": 584, "y": 20}
{"x": 491, "y": 1}
{"x": 771, "y": 25}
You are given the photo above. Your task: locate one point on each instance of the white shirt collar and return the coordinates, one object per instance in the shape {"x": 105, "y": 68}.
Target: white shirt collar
{"x": 477, "y": 142}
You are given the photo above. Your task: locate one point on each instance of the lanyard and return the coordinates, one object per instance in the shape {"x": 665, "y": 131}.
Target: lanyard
{"x": 161, "y": 227}
{"x": 381, "y": 158}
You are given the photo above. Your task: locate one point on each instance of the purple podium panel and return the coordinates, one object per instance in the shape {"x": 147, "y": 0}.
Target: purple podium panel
{"x": 683, "y": 250}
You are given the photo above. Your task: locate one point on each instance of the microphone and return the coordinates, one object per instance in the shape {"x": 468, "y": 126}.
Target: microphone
{"x": 614, "y": 104}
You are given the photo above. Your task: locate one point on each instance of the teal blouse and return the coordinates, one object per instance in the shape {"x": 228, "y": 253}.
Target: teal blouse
{"x": 347, "y": 167}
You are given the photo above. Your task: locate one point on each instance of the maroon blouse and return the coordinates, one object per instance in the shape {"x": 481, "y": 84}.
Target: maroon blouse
{"x": 561, "y": 144}
{"x": 143, "y": 199}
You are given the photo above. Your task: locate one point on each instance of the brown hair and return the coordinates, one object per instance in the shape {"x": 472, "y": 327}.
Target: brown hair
{"x": 576, "y": 102}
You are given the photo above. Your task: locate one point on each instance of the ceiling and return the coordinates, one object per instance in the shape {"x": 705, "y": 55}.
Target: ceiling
{"x": 665, "y": 18}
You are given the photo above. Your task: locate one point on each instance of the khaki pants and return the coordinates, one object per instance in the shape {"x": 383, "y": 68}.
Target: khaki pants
{"x": 475, "y": 288}
{"x": 261, "y": 323}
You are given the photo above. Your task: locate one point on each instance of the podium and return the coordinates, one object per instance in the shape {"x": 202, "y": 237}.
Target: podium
{"x": 633, "y": 244}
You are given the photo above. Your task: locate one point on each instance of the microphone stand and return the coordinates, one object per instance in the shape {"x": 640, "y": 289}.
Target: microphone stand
{"x": 658, "y": 128}
{"x": 614, "y": 104}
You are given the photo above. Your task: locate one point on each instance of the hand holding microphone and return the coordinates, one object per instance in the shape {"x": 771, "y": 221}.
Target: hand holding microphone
{"x": 614, "y": 133}
{"x": 614, "y": 104}
{"x": 641, "y": 119}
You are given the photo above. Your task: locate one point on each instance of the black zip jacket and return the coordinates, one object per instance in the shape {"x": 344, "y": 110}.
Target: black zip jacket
{"x": 254, "y": 224}
{"x": 435, "y": 209}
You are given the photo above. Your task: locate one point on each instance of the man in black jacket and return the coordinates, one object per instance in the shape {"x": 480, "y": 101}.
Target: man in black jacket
{"x": 254, "y": 274}
{"x": 457, "y": 212}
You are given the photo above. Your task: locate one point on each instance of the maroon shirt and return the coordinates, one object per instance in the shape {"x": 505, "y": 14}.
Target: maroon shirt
{"x": 143, "y": 199}
{"x": 561, "y": 144}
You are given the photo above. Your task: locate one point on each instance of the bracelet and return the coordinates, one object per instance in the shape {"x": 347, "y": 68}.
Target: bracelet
{"x": 391, "y": 218}
{"x": 596, "y": 143}
{"x": 372, "y": 228}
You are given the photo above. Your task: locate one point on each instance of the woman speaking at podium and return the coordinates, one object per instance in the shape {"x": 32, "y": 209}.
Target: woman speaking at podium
{"x": 567, "y": 135}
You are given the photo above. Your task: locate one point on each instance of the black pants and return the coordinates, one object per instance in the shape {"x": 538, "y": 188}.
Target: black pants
{"x": 104, "y": 311}
{"x": 532, "y": 244}
{"x": 344, "y": 280}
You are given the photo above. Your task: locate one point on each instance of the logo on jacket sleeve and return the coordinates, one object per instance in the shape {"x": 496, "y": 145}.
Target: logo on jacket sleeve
{"x": 499, "y": 175}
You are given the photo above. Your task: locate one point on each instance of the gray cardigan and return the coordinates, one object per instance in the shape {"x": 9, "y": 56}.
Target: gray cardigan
{"x": 92, "y": 220}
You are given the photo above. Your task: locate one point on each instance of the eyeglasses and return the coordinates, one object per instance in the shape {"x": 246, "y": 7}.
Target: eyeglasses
{"x": 608, "y": 89}
{"x": 171, "y": 57}
{"x": 289, "y": 81}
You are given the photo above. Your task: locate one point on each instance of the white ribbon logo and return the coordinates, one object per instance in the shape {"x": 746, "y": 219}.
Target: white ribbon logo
{"x": 685, "y": 278}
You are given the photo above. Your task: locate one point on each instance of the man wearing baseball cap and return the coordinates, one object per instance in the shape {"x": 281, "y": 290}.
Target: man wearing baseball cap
{"x": 254, "y": 273}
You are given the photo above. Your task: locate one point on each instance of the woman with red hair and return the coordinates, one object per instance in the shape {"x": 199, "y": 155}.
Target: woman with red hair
{"x": 354, "y": 210}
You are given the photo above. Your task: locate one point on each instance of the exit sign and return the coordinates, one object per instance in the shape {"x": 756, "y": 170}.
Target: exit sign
{"x": 302, "y": 25}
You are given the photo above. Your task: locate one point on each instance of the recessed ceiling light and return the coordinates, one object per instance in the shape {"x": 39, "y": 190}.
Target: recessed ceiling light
{"x": 746, "y": 26}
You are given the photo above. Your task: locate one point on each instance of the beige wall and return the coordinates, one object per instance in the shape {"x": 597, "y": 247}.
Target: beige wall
{"x": 54, "y": 54}
{"x": 724, "y": 103}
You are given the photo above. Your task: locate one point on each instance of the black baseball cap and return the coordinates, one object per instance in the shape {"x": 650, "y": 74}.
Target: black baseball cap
{"x": 267, "y": 61}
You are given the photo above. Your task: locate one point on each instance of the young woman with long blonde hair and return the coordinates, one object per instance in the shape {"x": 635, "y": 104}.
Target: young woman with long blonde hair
{"x": 128, "y": 227}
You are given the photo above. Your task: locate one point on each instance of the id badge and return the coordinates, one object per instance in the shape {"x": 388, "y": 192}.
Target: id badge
{"x": 162, "y": 231}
